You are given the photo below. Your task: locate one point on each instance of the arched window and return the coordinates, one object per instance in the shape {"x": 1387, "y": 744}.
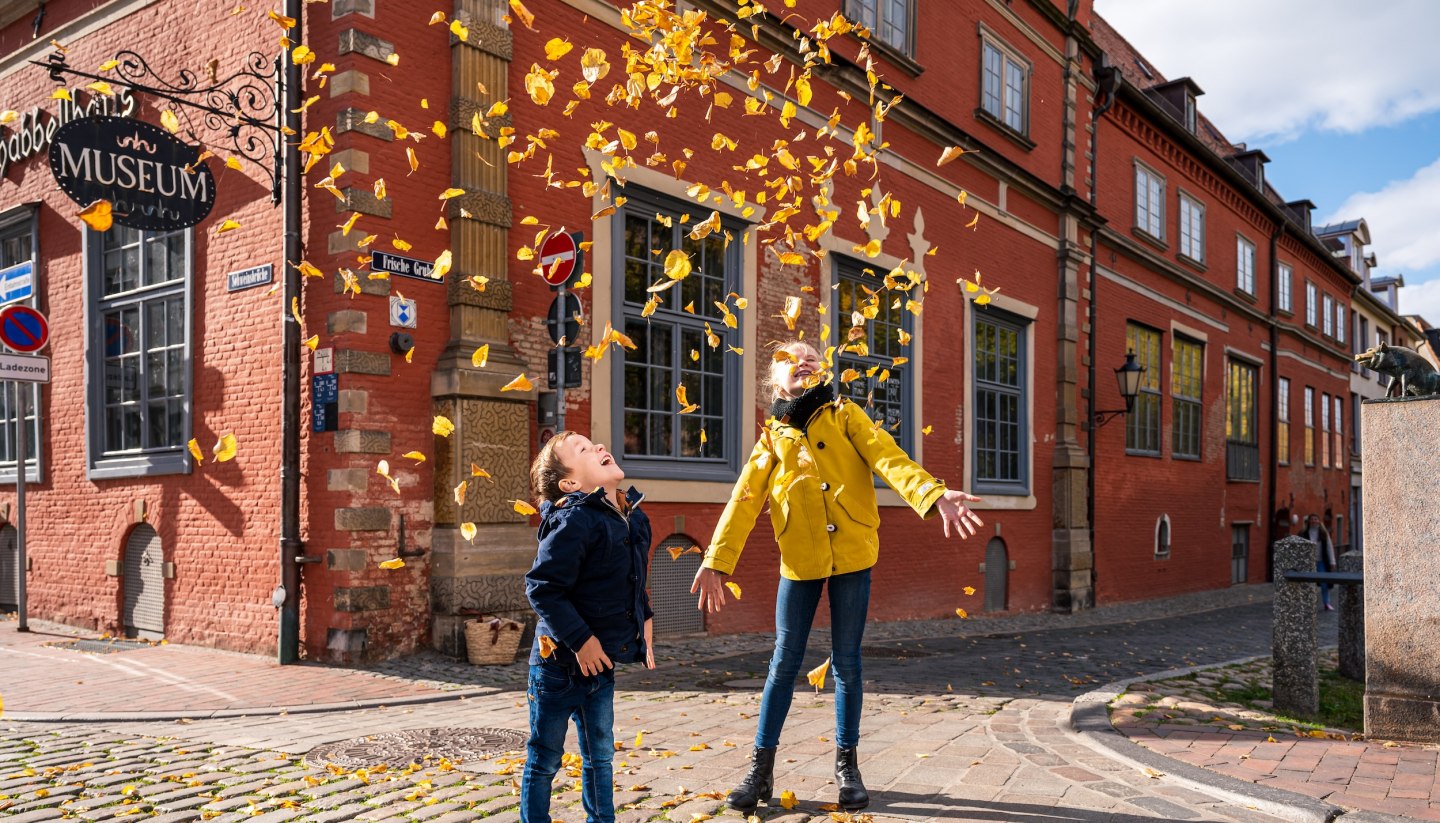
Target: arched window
{"x": 1162, "y": 536}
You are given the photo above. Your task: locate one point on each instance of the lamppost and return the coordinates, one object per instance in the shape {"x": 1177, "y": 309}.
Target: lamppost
{"x": 1128, "y": 378}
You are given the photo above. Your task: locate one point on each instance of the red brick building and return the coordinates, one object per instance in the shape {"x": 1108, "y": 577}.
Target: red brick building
{"x": 996, "y": 398}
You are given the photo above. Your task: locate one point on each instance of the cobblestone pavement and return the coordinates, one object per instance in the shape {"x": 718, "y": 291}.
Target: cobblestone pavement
{"x": 1212, "y": 720}
{"x": 956, "y": 729}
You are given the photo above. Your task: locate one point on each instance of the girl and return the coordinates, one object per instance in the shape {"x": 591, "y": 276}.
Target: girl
{"x": 813, "y": 464}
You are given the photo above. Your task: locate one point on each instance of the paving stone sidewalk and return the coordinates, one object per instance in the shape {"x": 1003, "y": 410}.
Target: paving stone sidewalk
{"x": 1205, "y": 720}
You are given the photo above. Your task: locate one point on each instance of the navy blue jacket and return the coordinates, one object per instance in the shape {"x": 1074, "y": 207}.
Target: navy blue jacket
{"x": 589, "y": 577}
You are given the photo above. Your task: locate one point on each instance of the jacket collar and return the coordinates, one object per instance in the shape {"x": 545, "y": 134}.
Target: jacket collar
{"x": 597, "y": 497}
{"x": 799, "y": 411}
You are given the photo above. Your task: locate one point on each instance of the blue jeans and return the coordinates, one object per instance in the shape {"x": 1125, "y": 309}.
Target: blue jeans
{"x": 1322, "y": 566}
{"x": 795, "y": 605}
{"x": 555, "y": 696}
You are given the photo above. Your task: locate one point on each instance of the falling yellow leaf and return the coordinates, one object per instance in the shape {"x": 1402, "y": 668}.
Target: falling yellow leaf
{"x": 286, "y": 23}
{"x": 969, "y": 591}
{"x": 476, "y": 471}
{"x": 593, "y": 65}
{"x": 234, "y": 163}
{"x": 677, "y": 265}
{"x": 442, "y": 426}
{"x": 295, "y": 310}
{"x": 414, "y": 455}
{"x": 555, "y": 48}
{"x": 170, "y": 121}
{"x": 101, "y": 87}
{"x": 787, "y": 797}
{"x": 458, "y": 29}
{"x": 480, "y": 356}
{"x": 962, "y": 614}
{"x": 523, "y": 508}
{"x": 64, "y": 94}
{"x": 393, "y": 563}
{"x": 460, "y": 492}
{"x": 526, "y": 18}
{"x": 950, "y": 153}
{"x": 685, "y": 405}
{"x": 228, "y": 225}
{"x": 452, "y": 192}
{"x": 313, "y": 342}
{"x": 8, "y": 116}
{"x": 195, "y": 451}
{"x": 225, "y": 448}
{"x": 442, "y": 265}
{"x": 520, "y": 383}
{"x": 816, "y": 676}
{"x": 548, "y": 646}
{"x": 414, "y": 161}
{"x": 99, "y": 215}
{"x": 734, "y": 588}
{"x": 468, "y": 531}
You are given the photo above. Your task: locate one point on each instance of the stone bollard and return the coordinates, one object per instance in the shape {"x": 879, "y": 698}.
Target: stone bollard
{"x": 1352, "y": 620}
{"x": 1295, "y": 683}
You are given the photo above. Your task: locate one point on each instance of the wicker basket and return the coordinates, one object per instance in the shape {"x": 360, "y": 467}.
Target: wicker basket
{"x": 492, "y": 642}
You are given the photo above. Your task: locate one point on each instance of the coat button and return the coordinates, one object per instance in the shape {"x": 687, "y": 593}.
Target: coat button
{"x": 824, "y": 487}
{"x": 829, "y": 527}
{"x": 634, "y": 578}
{"x": 820, "y": 445}
{"x": 630, "y": 613}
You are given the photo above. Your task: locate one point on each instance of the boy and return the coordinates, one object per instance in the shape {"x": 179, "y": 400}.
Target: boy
{"x": 588, "y": 587}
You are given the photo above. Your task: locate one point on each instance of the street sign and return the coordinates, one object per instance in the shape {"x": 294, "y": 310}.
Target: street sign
{"x": 572, "y": 368}
{"x": 17, "y": 282}
{"x": 23, "y": 329}
{"x": 558, "y": 256}
{"x": 324, "y": 402}
{"x": 26, "y": 368}
{"x": 250, "y": 278}
{"x": 325, "y": 360}
{"x": 403, "y": 313}
{"x": 403, "y": 266}
{"x": 572, "y": 314}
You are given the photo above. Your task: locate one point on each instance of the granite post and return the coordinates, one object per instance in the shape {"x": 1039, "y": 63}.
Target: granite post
{"x": 1352, "y": 620}
{"x": 1402, "y": 569}
{"x": 1295, "y": 683}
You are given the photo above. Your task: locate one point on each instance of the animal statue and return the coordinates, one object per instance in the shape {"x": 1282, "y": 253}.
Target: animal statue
{"x": 1411, "y": 375}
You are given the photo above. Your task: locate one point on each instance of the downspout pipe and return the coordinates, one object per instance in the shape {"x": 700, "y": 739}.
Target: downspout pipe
{"x": 291, "y": 547}
{"x": 1274, "y": 395}
{"x": 1109, "y": 79}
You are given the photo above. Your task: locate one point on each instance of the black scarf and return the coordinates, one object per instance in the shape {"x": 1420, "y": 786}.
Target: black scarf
{"x": 801, "y": 410}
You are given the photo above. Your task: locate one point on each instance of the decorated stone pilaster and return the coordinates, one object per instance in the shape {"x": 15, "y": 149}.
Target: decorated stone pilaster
{"x": 492, "y": 429}
{"x": 1296, "y": 684}
{"x": 1402, "y": 569}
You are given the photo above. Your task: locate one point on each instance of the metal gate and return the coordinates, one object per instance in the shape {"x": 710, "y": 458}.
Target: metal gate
{"x": 997, "y": 575}
{"x": 670, "y": 582}
{"x": 1239, "y": 553}
{"x": 9, "y": 576}
{"x": 144, "y": 614}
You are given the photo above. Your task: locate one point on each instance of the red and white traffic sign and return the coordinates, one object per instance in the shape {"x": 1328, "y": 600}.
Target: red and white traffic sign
{"x": 23, "y": 329}
{"x": 557, "y": 258}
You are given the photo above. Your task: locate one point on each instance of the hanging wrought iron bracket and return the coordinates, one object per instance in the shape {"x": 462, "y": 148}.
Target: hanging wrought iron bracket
{"x": 248, "y": 106}
{"x": 1100, "y": 418}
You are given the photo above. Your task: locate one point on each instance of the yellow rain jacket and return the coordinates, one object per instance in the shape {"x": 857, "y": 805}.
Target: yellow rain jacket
{"x": 821, "y": 494}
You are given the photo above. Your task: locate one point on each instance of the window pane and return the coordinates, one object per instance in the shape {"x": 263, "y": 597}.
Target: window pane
{"x": 1001, "y": 454}
{"x": 991, "y": 87}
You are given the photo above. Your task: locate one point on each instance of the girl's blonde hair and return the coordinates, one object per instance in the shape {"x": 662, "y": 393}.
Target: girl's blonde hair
{"x": 548, "y": 470}
{"x": 770, "y": 386}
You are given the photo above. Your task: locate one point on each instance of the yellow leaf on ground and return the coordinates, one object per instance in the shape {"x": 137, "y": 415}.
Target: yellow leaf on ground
{"x": 816, "y": 676}
{"x": 99, "y": 215}
{"x": 523, "y": 508}
{"x": 520, "y": 383}
{"x": 787, "y": 800}
{"x": 734, "y": 588}
{"x": 442, "y": 426}
{"x": 961, "y": 613}
{"x": 393, "y": 563}
{"x": 225, "y": 448}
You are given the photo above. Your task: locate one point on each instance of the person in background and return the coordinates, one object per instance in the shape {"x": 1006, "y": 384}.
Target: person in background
{"x": 1324, "y": 554}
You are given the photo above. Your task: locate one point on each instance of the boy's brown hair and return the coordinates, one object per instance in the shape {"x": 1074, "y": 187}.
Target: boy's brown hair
{"x": 548, "y": 470}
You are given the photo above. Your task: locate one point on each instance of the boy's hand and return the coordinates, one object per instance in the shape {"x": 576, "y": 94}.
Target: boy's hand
{"x": 650, "y": 643}
{"x": 710, "y": 585}
{"x": 592, "y": 657}
{"x": 954, "y": 512}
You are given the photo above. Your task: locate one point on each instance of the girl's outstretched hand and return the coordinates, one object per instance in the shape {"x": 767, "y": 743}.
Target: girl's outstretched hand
{"x": 956, "y": 514}
{"x": 710, "y": 585}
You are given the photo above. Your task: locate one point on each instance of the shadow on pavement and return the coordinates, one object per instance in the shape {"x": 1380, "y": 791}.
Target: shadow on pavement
{"x": 931, "y": 807}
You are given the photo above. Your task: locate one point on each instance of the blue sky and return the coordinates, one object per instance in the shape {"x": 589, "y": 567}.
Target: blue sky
{"x": 1344, "y": 98}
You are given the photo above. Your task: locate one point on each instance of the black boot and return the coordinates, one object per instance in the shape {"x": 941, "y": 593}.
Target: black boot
{"x": 853, "y": 796}
{"x": 758, "y": 785}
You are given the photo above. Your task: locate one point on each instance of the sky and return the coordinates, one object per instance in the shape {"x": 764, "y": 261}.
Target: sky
{"x": 1343, "y": 97}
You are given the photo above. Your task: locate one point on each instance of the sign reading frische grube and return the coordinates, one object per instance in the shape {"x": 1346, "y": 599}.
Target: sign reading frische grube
{"x": 153, "y": 180}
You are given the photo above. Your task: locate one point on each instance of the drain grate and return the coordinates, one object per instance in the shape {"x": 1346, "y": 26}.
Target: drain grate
{"x": 100, "y": 646}
{"x": 400, "y": 749}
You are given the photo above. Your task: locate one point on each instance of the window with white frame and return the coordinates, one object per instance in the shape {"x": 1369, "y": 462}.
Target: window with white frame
{"x": 877, "y": 359}
{"x": 1338, "y": 434}
{"x": 1187, "y": 372}
{"x": 1287, "y": 275}
{"x": 889, "y": 21}
{"x": 140, "y": 386}
{"x": 1282, "y": 423}
{"x": 1324, "y": 431}
{"x": 1149, "y": 202}
{"x": 1001, "y": 448}
{"x": 1192, "y": 228}
{"x": 1244, "y": 265}
{"x": 1327, "y": 315}
{"x": 683, "y": 341}
{"x": 1005, "y": 86}
{"x": 17, "y": 257}
{"x": 1309, "y": 426}
{"x": 1339, "y": 322}
{"x": 1142, "y": 424}
{"x": 1311, "y": 306}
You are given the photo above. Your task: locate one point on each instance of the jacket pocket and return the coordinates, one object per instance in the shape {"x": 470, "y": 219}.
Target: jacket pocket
{"x": 866, "y": 513}
{"x": 780, "y": 517}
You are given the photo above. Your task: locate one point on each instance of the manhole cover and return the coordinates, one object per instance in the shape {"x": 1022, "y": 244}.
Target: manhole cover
{"x": 101, "y": 646}
{"x": 400, "y": 749}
